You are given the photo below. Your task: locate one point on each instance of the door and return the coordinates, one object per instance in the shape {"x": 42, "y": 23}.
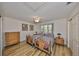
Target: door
{"x": 74, "y": 35}
{"x": 0, "y": 35}
{"x": 70, "y": 33}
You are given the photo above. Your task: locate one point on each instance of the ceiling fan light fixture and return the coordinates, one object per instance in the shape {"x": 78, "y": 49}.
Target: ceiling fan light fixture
{"x": 36, "y": 19}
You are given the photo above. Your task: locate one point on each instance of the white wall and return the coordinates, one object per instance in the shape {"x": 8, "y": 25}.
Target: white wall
{"x": 37, "y": 28}
{"x": 14, "y": 25}
{"x": 60, "y": 26}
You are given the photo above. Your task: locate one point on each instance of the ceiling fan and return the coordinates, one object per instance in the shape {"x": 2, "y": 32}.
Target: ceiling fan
{"x": 68, "y": 3}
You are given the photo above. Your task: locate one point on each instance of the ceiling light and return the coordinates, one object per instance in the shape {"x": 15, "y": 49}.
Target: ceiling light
{"x": 36, "y": 19}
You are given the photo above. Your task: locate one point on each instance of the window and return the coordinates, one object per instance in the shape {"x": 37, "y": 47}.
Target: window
{"x": 42, "y": 28}
{"x": 48, "y": 28}
{"x": 45, "y": 29}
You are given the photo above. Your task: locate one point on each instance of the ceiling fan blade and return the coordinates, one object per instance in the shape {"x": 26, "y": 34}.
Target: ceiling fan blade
{"x": 69, "y": 3}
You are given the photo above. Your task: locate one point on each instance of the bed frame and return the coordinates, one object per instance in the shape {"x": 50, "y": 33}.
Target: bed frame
{"x": 39, "y": 44}
{"x": 29, "y": 40}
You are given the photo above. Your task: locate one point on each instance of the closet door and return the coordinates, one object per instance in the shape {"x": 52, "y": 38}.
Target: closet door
{"x": 74, "y": 35}
{"x": 78, "y": 34}
{"x": 0, "y": 36}
{"x": 70, "y": 34}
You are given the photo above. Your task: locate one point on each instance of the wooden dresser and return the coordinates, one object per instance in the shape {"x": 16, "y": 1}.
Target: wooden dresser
{"x": 59, "y": 41}
{"x": 12, "y": 38}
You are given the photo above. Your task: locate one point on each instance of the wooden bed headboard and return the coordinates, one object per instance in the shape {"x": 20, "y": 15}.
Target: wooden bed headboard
{"x": 12, "y": 38}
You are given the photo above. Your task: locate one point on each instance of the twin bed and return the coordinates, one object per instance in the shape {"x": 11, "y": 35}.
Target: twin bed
{"x": 43, "y": 42}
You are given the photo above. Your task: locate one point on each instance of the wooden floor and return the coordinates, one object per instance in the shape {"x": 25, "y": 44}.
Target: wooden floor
{"x": 24, "y": 49}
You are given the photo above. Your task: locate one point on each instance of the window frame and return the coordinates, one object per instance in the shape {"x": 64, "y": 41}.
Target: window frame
{"x": 48, "y": 31}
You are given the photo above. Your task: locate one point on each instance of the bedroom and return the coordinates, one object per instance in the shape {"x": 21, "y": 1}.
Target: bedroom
{"x": 32, "y": 22}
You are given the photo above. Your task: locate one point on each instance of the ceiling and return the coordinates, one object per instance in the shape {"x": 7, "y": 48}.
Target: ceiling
{"x": 27, "y": 10}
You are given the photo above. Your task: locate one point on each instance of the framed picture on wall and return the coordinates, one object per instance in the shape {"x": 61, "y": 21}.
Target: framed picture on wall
{"x": 31, "y": 27}
{"x": 24, "y": 27}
